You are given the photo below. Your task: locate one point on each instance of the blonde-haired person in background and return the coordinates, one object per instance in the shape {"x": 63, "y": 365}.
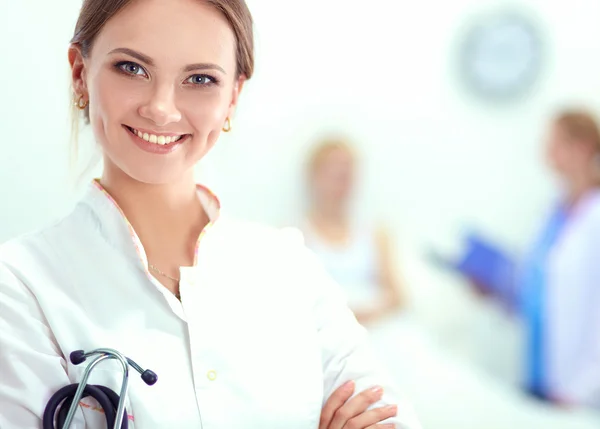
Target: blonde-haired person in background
{"x": 358, "y": 254}
{"x": 241, "y": 325}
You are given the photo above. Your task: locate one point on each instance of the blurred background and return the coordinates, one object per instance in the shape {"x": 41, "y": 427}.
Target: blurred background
{"x": 447, "y": 105}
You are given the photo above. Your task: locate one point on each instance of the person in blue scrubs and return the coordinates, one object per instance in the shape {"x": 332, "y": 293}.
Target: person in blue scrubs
{"x": 556, "y": 287}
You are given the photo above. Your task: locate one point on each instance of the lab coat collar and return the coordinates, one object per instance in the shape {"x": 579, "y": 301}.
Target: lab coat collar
{"x": 589, "y": 199}
{"x": 118, "y": 231}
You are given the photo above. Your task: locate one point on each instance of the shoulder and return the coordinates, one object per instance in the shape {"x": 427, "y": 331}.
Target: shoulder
{"x": 594, "y": 207}
{"x": 282, "y": 250}
{"x": 22, "y": 248}
{"x": 33, "y": 252}
{"x": 278, "y": 257}
{"x": 380, "y": 231}
{"x": 587, "y": 216}
{"x": 17, "y": 258}
{"x": 259, "y": 236}
{"x": 267, "y": 248}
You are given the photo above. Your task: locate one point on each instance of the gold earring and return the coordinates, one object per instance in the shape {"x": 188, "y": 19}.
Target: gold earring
{"x": 227, "y": 126}
{"x": 78, "y": 103}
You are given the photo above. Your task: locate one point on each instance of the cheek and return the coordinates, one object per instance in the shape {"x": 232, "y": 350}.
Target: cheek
{"x": 205, "y": 112}
{"x": 319, "y": 184}
{"x": 111, "y": 101}
{"x": 550, "y": 154}
{"x": 563, "y": 159}
{"x": 344, "y": 186}
{"x": 348, "y": 182}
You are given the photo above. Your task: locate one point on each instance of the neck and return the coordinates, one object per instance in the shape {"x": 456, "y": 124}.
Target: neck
{"x": 580, "y": 186}
{"x": 330, "y": 223}
{"x": 329, "y": 213}
{"x": 165, "y": 216}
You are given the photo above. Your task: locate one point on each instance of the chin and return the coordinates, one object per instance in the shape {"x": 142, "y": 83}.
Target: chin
{"x": 149, "y": 176}
{"x": 174, "y": 166}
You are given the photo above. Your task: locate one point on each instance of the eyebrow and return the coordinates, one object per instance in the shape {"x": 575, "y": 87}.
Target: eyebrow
{"x": 149, "y": 61}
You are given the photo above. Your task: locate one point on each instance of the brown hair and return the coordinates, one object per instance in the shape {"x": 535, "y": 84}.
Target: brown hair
{"x": 95, "y": 14}
{"x": 580, "y": 125}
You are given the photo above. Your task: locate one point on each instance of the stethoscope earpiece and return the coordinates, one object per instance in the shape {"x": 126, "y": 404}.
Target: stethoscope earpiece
{"x": 149, "y": 377}
{"x": 77, "y": 357}
{"x": 68, "y": 397}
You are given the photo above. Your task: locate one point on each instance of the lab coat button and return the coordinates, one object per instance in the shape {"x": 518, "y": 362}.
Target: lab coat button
{"x": 212, "y": 375}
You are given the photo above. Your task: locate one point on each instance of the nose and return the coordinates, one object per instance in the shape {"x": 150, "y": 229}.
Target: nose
{"x": 161, "y": 107}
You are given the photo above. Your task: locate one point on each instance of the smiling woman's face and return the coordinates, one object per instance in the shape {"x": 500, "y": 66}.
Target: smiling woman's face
{"x": 161, "y": 82}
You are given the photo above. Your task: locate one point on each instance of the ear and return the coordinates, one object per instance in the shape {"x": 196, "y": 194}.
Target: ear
{"x": 237, "y": 89}
{"x": 78, "y": 71}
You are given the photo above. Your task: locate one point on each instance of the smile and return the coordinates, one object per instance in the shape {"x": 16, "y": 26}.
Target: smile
{"x": 159, "y": 139}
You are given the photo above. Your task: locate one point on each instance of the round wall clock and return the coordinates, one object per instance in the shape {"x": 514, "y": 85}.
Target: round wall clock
{"x": 501, "y": 56}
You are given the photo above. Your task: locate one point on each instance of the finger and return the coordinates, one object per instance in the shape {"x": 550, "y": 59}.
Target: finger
{"x": 372, "y": 417}
{"x": 335, "y": 401}
{"x": 355, "y": 406}
{"x": 384, "y": 426}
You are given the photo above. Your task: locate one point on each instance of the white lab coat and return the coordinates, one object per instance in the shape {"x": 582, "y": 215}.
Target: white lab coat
{"x": 261, "y": 337}
{"x": 572, "y": 313}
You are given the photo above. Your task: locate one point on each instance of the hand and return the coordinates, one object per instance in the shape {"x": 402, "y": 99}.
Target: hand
{"x": 366, "y": 317}
{"x": 341, "y": 412}
{"x": 561, "y": 403}
{"x": 481, "y": 290}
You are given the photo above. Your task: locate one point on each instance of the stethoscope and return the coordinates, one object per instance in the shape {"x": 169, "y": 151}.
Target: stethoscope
{"x": 63, "y": 404}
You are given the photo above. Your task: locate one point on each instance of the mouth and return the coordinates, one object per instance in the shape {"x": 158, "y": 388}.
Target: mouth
{"x": 158, "y": 139}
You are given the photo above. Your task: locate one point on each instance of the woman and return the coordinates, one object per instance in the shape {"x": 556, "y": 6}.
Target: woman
{"x": 357, "y": 255}
{"x": 557, "y": 288}
{"x": 148, "y": 265}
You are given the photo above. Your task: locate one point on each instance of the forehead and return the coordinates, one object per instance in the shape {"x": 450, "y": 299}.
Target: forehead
{"x": 338, "y": 155}
{"x": 185, "y": 31}
{"x": 335, "y": 159}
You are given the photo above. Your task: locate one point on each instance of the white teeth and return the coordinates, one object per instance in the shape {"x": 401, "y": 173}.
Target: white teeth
{"x": 152, "y": 138}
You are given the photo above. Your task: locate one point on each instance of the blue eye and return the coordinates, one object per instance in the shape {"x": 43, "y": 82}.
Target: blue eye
{"x": 201, "y": 79}
{"x": 131, "y": 68}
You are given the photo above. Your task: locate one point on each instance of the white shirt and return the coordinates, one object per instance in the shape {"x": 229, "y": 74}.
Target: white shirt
{"x": 260, "y": 339}
{"x": 573, "y": 307}
{"x": 353, "y": 265}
